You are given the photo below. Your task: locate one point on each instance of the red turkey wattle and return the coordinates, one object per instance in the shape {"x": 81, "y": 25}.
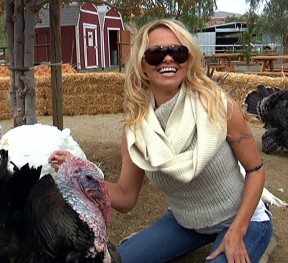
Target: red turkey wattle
{"x": 76, "y": 180}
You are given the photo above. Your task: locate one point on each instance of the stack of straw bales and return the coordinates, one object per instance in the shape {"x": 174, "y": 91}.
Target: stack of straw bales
{"x": 4, "y": 98}
{"x": 86, "y": 93}
{"x": 102, "y": 93}
{"x": 242, "y": 83}
{"x": 40, "y": 70}
{"x": 83, "y": 93}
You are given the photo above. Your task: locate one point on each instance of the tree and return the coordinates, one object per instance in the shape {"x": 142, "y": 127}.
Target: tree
{"x": 3, "y": 41}
{"x": 252, "y": 33}
{"x": 194, "y": 13}
{"x": 20, "y": 22}
{"x": 274, "y": 19}
{"x": 248, "y": 36}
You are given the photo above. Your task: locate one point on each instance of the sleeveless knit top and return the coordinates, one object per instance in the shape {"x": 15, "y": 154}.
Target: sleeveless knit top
{"x": 211, "y": 196}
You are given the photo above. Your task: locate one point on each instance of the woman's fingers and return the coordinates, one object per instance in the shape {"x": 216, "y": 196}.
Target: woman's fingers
{"x": 58, "y": 157}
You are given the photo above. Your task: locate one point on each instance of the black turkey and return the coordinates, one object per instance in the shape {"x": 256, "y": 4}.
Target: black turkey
{"x": 60, "y": 218}
{"x": 271, "y": 106}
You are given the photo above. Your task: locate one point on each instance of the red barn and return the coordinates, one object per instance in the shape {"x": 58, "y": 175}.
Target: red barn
{"x": 90, "y": 35}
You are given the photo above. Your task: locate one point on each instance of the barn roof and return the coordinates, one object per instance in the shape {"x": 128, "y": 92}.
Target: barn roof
{"x": 69, "y": 16}
{"x": 227, "y": 28}
{"x": 101, "y": 13}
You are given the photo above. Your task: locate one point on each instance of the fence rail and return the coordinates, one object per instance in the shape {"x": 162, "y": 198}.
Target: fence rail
{"x": 236, "y": 48}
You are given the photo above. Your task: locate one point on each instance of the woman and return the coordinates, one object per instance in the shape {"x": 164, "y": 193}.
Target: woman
{"x": 187, "y": 136}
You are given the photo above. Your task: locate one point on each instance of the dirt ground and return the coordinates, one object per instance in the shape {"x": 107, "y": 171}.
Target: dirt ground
{"x": 100, "y": 136}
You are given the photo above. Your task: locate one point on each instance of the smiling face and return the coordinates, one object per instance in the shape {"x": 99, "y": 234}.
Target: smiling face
{"x": 165, "y": 79}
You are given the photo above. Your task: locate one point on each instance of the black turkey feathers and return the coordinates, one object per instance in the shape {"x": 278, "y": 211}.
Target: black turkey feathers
{"x": 255, "y": 96}
{"x": 271, "y": 106}
{"x": 52, "y": 219}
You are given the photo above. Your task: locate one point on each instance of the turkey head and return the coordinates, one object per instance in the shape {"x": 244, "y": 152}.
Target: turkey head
{"x": 68, "y": 215}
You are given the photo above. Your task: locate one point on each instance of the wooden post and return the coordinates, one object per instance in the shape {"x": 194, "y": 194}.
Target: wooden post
{"x": 29, "y": 76}
{"x": 56, "y": 63}
{"x": 9, "y": 9}
{"x": 19, "y": 116}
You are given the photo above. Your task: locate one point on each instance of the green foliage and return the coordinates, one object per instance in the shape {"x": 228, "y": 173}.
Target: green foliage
{"x": 274, "y": 19}
{"x": 248, "y": 37}
{"x": 194, "y": 13}
{"x": 230, "y": 19}
{"x": 251, "y": 35}
{"x": 3, "y": 34}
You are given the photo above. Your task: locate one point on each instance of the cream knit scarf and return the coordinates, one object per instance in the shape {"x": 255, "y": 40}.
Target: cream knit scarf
{"x": 168, "y": 151}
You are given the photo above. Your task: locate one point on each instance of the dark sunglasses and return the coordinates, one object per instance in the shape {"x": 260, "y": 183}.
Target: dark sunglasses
{"x": 154, "y": 56}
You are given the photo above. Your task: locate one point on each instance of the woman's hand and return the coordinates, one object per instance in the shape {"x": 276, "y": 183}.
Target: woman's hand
{"x": 58, "y": 157}
{"x": 234, "y": 248}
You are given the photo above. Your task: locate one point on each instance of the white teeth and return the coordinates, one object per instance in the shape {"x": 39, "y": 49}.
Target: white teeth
{"x": 163, "y": 70}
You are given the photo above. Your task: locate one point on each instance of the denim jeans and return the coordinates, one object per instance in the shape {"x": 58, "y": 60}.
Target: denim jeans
{"x": 166, "y": 240}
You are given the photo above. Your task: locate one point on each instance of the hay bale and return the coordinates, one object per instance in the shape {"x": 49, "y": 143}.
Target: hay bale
{"x": 242, "y": 83}
{"x": 4, "y": 83}
{"x": 102, "y": 92}
{"x": 94, "y": 82}
{"x": 83, "y": 93}
{"x": 40, "y": 70}
{"x": 90, "y": 93}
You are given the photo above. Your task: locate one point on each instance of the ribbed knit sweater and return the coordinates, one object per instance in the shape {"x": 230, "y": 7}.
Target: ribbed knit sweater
{"x": 188, "y": 157}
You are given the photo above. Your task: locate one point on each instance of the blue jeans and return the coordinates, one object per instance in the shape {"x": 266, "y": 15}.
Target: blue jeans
{"x": 166, "y": 239}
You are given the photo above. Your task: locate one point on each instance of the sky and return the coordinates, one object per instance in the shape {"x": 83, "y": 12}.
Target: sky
{"x": 233, "y": 6}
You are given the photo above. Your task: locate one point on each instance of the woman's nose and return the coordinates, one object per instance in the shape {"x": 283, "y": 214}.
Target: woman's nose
{"x": 168, "y": 58}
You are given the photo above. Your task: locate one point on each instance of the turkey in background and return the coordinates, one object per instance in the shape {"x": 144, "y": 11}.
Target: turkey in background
{"x": 271, "y": 106}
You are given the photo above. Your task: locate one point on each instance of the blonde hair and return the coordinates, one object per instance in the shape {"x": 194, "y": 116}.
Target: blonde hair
{"x": 136, "y": 87}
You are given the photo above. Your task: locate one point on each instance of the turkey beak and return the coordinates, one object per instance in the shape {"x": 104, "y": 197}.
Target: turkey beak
{"x": 96, "y": 195}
